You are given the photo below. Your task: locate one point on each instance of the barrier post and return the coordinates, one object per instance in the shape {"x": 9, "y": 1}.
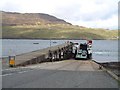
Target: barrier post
{"x": 11, "y": 61}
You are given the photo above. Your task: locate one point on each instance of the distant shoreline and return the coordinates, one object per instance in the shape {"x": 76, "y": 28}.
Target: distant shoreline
{"x": 56, "y": 39}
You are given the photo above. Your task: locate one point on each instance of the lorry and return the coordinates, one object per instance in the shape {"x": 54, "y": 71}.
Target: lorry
{"x": 84, "y": 51}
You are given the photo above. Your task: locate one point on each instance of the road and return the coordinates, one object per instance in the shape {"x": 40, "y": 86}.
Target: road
{"x": 61, "y": 74}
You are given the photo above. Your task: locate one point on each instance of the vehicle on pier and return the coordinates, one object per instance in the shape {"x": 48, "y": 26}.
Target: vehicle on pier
{"x": 75, "y": 47}
{"x": 84, "y": 51}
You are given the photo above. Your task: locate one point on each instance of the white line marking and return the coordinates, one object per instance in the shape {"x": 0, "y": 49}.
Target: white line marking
{"x": 16, "y": 73}
{"x": 6, "y": 74}
{"x": 13, "y": 68}
{"x": 24, "y": 71}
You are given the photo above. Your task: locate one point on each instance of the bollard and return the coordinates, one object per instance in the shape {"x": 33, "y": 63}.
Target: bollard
{"x": 11, "y": 61}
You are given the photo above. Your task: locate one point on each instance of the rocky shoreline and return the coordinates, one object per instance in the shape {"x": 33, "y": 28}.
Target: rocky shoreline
{"x": 112, "y": 66}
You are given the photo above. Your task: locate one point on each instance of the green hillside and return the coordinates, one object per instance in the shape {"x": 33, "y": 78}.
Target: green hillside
{"x": 57, "y": 31}
{"x": 39, "y": 25}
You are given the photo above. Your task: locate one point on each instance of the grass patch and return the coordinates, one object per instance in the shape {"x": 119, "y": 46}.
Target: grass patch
{"x": 56, "y": 31}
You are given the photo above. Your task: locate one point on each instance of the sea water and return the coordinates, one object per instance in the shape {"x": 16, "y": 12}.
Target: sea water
{"x": 103, "y": 50}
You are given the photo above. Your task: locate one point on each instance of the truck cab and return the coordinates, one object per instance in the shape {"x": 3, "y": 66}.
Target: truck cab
{"x": 84, "y": 51}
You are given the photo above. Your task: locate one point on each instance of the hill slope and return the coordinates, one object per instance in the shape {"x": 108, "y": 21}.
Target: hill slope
{"x": 13, "y": 18}
{"x": 37, "y": 26}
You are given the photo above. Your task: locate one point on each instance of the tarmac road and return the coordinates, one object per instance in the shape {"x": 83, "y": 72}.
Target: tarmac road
{"x": 62, "y": 74}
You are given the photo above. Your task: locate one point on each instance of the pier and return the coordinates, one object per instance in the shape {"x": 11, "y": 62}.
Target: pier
{"x": 53, "y": 53}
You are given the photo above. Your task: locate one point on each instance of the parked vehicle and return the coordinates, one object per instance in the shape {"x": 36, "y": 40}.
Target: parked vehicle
{"x": 84, "y": 51}
{"x": 75, "y": 47}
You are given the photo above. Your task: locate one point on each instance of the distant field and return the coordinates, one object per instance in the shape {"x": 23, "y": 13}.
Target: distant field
{"x": 57, "y": 31}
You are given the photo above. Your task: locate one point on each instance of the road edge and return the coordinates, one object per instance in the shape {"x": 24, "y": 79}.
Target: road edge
{"x": 108, "y": 71}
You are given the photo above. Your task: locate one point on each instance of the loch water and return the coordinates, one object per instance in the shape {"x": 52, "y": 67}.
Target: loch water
{"x": 103, "y": 50}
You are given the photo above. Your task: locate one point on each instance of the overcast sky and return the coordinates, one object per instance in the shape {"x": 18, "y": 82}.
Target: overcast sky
{"x": 88, "y": 13}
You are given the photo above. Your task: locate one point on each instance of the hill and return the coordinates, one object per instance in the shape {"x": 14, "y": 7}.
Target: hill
{"x": 13, "y": 18}
{"x": 44, "y": 26}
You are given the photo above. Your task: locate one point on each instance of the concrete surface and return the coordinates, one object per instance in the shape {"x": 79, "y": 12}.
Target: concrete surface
{"x": 62, "y": 74}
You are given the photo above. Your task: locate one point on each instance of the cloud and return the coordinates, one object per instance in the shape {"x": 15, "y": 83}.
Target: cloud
{"x": 80, "y": 12}
{"x": 110, "y": 23}
{"x": 11, "y": 7}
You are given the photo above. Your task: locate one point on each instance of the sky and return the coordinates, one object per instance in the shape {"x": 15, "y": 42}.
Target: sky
{"x": 88, "y": 13}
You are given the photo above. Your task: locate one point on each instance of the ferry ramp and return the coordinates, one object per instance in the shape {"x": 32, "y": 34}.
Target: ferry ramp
{"x": 59, "y": 74}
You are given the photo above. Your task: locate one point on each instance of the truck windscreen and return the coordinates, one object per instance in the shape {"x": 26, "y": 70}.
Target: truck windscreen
{"x": 83, "y": 46}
